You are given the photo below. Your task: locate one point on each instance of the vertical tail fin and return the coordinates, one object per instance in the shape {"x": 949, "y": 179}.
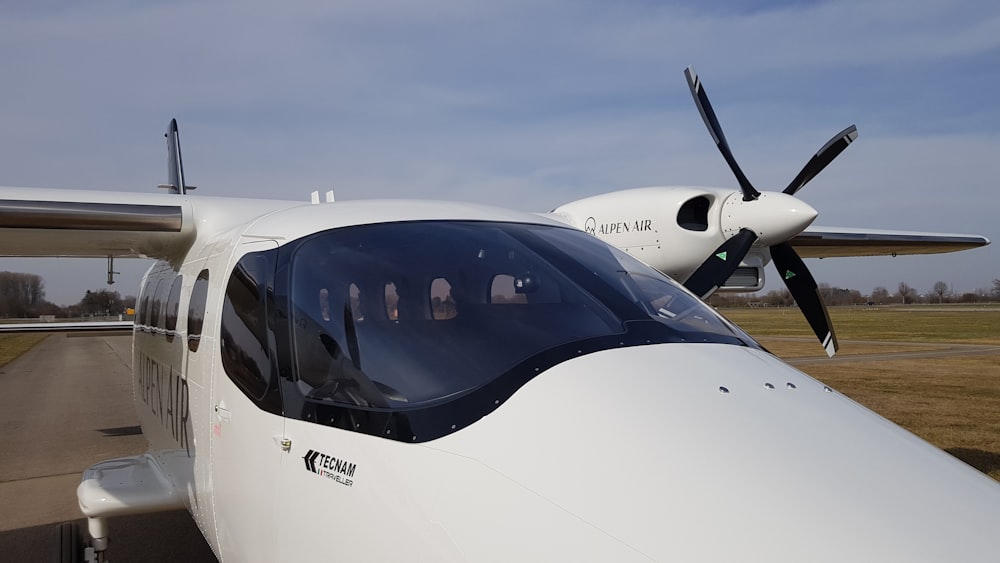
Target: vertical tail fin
{"x": 175, "y": 166}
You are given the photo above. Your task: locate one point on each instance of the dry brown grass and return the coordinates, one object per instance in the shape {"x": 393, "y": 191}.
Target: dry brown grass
{"x": 926, "y": 323}
{"x": 13, "y": 345}
{"x": 809, "y": 348}
{"x": 952, "y": 402}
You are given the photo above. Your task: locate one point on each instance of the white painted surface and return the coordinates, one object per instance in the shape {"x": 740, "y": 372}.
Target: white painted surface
{"x": 631, "y": 454}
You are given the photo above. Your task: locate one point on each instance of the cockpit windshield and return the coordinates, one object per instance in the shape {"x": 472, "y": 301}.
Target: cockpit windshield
{"x": 399, "y": 315}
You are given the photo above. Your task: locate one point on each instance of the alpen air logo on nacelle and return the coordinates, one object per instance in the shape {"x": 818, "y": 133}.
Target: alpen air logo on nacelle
{"x": 617, "y": 227}
{"x": 324, "y": 465}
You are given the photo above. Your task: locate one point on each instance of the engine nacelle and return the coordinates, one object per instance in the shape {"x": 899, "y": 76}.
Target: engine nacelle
{"x": 674, "y": 229}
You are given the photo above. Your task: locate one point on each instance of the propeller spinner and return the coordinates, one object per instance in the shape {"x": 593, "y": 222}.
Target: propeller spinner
{"x": 767, "y": 219}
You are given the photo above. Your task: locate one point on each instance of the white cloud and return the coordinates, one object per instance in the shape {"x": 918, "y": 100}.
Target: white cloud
{"x": 526, "y": 104}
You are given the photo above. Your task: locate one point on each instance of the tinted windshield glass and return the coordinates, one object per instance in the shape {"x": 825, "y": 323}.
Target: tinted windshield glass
{"x": 398, "y": 315}
{"x": 655, "y": 294}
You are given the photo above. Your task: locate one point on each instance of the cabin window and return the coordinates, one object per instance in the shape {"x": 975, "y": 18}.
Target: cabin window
{"x": 196, "y": 310}
{"x": 502, "y": 290}
{"x": 442, "y": 301}
{"x": 244, "y": 327}
{"x": 156, "y": 305}
{"x": 391, "y": 301}
{"x": 145, "y": 303}
{"x": 354, "y": 295}
{"x": 173, "y": 307}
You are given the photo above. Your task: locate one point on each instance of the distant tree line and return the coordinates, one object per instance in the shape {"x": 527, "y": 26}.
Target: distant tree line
{"x": 100, "y": 303}
{"x": 22, "y": 296}
{"x": 905, "y": 294}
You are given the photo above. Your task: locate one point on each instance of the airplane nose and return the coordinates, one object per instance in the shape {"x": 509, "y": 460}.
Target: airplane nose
{"x": 775, "y": 217}
{"x": 720, "y": 452}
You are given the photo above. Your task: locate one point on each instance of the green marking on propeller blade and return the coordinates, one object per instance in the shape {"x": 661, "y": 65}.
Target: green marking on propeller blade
{"x": 722, "y": 255}
{"x": 789, "y": 274}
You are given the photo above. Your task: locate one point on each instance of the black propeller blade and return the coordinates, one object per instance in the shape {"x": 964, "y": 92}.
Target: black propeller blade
{"x": 723, "y": 262}
{"x": 805, "y": 292}
{"x": 712, "y": 122}
{"x": 825, "y": 156}
{"x": 720, "y": 266}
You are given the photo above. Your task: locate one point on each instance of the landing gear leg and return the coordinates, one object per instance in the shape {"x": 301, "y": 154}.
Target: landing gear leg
{"x": 97, "y": 552}
{"x": 73, "y": 545}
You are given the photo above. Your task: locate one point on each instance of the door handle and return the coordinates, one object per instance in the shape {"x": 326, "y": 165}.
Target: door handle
{"x": 222, "y": 412}
{"x": 282, "y": 442}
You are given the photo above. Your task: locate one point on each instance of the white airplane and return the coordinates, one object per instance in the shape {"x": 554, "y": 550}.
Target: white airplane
{"x": 389, "y": 380}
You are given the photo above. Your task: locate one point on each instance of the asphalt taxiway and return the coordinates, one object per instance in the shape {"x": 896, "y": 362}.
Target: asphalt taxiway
{"x": 65, "y": 405}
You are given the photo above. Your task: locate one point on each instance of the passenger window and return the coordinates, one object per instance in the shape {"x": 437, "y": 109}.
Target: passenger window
{"x": 144, "y": 304}
{"x": 502, "y": 291}
{"x": 324, "y": 304}
{"x": 354, "y": 294}
{"x": 196, "y": 310}
{"x": 173, "y": 305}
{"x": 156, "y": 304}
{"x": 391, "y": 302}
{"x": 244, "y": 329}
{"x": 442, "y": 302}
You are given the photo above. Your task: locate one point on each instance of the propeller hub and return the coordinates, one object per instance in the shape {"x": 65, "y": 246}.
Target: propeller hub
{"x": 774, "y": 217}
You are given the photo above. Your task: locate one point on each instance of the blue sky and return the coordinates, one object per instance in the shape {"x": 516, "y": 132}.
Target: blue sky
{"x": 520, "y": 104}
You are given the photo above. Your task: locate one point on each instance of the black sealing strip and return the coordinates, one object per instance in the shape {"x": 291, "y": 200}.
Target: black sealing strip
{"x": 430, "y": 421}
{"x": 89, "y": 216}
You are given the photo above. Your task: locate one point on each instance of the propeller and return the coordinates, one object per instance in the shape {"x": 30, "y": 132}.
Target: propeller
{"x": 767, "y": 219}
{"x": 712, "y": 122}
{"x": 803, "y": 288}
{"x": 825, "y": 156}
{"x": 723, "y": 262}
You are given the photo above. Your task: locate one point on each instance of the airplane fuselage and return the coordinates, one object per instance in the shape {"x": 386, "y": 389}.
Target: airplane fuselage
{"x": 373, "y": 381}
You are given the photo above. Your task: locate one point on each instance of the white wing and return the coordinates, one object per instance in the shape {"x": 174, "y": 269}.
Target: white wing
{"x": 85, "y": 223}
{"x": 828, "y": 242}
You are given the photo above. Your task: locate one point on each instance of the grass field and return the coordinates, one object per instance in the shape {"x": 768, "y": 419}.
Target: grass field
{"x": 13, "y": 345}
{"x": 925, "y": 323}
{"x": 951, "y": 401}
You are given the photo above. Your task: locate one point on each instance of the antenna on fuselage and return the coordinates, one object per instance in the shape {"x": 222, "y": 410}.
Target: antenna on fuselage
{"x": 175, "y": 166}
{"x": 314, "y": 197}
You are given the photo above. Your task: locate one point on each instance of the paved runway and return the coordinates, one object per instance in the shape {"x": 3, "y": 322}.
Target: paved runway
{"x": 65, "y": 405}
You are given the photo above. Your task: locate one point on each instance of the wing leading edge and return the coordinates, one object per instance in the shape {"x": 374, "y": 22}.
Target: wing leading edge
{"x": 836, "y": 242}
{"x": 89, "y": 216}
{"x": 42, "y": 222}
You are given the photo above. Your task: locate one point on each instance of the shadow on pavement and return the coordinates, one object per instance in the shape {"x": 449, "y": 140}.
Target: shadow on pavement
{"x": 147, "y": 538}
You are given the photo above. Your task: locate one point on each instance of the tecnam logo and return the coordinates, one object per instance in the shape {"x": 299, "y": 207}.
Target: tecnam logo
{"x": 324, "y": 465}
